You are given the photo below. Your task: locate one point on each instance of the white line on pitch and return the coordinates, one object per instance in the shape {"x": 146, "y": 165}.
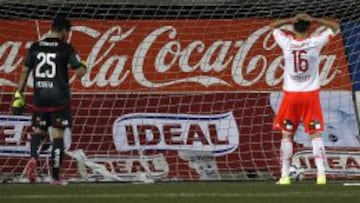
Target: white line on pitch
{"x": 351, "y": 184}
{"x": 180, "y": 195}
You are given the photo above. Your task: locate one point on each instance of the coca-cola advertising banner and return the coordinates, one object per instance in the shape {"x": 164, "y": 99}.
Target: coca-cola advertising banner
{"x": 164, "y": 55}
{"x": 177, "y": 100}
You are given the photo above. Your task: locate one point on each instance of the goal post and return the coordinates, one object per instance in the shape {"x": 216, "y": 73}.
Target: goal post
{"x": 181, "y": 90}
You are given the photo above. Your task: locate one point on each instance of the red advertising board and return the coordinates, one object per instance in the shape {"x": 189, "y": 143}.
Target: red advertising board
{"x": 164, "y": 55}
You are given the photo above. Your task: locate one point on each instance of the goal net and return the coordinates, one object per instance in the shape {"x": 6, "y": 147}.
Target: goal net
{"x": 180, "y": 90}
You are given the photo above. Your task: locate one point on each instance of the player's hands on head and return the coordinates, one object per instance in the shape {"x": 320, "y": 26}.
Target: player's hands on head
{"x": 303, "y": 16}
{"x": 18, "y": 103}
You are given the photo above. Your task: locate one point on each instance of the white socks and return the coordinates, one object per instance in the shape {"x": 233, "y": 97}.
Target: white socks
{"x": 286, "y": 152}
{"x": 319, "y": 155}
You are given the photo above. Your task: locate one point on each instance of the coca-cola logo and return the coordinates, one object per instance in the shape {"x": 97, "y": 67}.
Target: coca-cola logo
{"x": 163, "y": 56}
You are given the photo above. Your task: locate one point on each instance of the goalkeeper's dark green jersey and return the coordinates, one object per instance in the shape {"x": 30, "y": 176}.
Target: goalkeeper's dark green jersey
{"x": 49, "y": 60}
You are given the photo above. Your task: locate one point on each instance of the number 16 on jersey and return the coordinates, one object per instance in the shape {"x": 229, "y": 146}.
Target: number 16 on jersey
{"x": 300, "y": 64}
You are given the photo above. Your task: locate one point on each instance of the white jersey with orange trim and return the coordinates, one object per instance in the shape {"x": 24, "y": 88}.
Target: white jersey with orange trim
{"x": 302, "y": 58}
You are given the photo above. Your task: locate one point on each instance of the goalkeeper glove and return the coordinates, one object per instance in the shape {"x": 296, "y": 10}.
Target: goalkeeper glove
{"x": 18, "y": 103}
{"x": 84, "y": 64}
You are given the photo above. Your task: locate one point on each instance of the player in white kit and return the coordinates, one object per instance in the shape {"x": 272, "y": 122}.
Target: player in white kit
{"x": 301, "y": 88}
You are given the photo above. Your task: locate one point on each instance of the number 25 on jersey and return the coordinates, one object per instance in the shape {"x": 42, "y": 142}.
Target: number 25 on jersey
{"x": 48, "y": 59}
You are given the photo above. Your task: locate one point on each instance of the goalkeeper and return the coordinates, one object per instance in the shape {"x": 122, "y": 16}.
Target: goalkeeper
{"x": 49, "y": 59}
{"x": 301, "y": 102}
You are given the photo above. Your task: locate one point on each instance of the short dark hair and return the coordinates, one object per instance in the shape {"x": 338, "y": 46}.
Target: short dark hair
{"x": 301, "y": 25}
{"x": 60, "y": 24}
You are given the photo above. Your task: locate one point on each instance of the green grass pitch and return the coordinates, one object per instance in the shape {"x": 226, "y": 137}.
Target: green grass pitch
{"x": 184, "y": 192}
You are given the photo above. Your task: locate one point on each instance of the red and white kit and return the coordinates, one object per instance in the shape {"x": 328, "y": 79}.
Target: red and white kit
{"x": 301, "y": 86}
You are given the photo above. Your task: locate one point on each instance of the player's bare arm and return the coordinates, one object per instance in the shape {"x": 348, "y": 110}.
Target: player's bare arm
{"x": 281, "y": 22}
{"x": 82, "y": 70}
{"x": 333, "y": 25}
{"x": 80, "y": 67}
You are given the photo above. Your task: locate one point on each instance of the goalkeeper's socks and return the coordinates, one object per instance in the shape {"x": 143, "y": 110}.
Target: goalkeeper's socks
{"x": 34, "y": 145}
{"x": 319, "y": 155}
{"x": 286, "y": 151}
{"x": 56, "y": 155}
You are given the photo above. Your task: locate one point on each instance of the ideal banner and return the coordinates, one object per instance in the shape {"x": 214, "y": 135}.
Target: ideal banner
{"x": 178, "y": 100}
{"x": 181, "y": 132}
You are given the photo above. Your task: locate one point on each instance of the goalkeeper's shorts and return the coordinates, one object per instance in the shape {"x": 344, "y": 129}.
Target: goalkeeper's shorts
{"x": 60, "y": 118}
{"x": 299, "y": 107}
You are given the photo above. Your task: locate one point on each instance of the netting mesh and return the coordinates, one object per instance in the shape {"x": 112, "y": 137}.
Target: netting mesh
{"x": 122, "y": 9}
{"x": 180, "y": 90}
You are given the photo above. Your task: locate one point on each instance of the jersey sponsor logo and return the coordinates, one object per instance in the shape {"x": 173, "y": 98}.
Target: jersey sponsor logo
{"x": 44, "y": 84}
{"x": 161, "y": 56}
{"x": 65, "y": 122}
{"x": 299, "y": 46}
{"x": 151, "y": 131}
{"x": 300, "y": 78}
{"x": 315, "y": 125}
{"x": 288, "y": 125}
{"x": 338, "y": 162}
{"x": 48, "y": 44}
